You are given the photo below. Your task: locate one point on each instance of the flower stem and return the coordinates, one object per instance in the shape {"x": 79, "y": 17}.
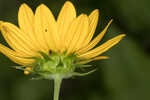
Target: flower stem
{"x": 57, "y": 84}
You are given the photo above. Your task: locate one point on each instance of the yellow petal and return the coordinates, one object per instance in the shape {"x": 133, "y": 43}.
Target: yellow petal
{"x": 66, "y": 16}
{"x": 100, "y": 57}
{"x": 26, "y": 18}
{"x": 77, "y": 33}
{"x": 83, "y": 33}
{"x": 16, "y": 39}
{"x": 93, "y": 20}
{"x": 1, "y": 22}
{"x": 46, "y": 29}
{"x": 102, "y": 48}
{"x": 96, "y": 58}
{"x": 26, "y": 23}
{"x": 95, "y": 41}
{"x": 14, "y": 56}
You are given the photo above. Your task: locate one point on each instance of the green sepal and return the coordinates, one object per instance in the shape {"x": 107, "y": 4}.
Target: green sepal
{"x": 44, "y": 55}
{"x": 83, "y": 74}
{"x": 37, "y": 78}
{"x": 19, "y": 67}
{"x": 83, "y": 66}
{"x": 48, "y": 65}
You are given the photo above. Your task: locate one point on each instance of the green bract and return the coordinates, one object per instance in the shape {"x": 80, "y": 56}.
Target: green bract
{"x": 49, "y": 66}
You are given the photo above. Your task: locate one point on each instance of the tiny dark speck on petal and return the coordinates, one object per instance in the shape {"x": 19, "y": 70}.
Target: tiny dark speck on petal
{"x": 45, "y": 30}
{"x": 50, "y": 52}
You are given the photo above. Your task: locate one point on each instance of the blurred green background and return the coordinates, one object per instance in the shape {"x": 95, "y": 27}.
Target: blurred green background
{"x": 125, "y": 76}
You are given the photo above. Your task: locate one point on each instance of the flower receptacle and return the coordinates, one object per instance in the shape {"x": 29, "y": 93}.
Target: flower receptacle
{"x": 52, "y": 65}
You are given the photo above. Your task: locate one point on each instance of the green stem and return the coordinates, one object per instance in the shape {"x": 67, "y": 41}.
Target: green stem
{"x": 57, "y": 84}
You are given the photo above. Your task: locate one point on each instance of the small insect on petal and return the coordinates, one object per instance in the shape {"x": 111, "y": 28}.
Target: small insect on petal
{"x": 26, "y": 72}
{"x": 27, "y": 69}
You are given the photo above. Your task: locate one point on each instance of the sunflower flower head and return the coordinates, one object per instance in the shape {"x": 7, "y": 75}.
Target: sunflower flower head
{"x": 46, "y": 47}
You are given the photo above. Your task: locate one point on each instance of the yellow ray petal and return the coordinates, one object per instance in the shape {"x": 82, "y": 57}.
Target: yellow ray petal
{"x": 46, "y": 28}
{"x": 26, "y": 18}
{"x": 10, "y": 41}
{"x": 100, "y": 57}
{"x": 14, "y": 56}
{"x": 96, "y": 58}
{"x": 26, "y": 23}
{"x": 83, "y": 33}
{"x": 16, "y": 39}
{"x": 1, "y": 22}
{"x": 95, "y": 41}
{"x": 102, "y": 48}
{"x": 93, "y": 21}
{"x": 66, "y": 16}
{"x": 77, "y": 33}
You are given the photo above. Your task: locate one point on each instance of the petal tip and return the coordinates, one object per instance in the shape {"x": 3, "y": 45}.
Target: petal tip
{"x": 100, "y": 57}
{"x": 96, "y": 11}
{"x": 41, "y": 5}
{"x": 1, "y": 23}
{"x": 106, "y": 57}
{"x": 82, "y": 16}
{"x": 23, "y": 5}
{"x": 122, "y": 35}
{"x": 111, "y": 20}
{"x": 68, "y": 3}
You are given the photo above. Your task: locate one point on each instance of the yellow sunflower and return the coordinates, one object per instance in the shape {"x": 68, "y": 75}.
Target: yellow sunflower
{"x": 40, "y": 33}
